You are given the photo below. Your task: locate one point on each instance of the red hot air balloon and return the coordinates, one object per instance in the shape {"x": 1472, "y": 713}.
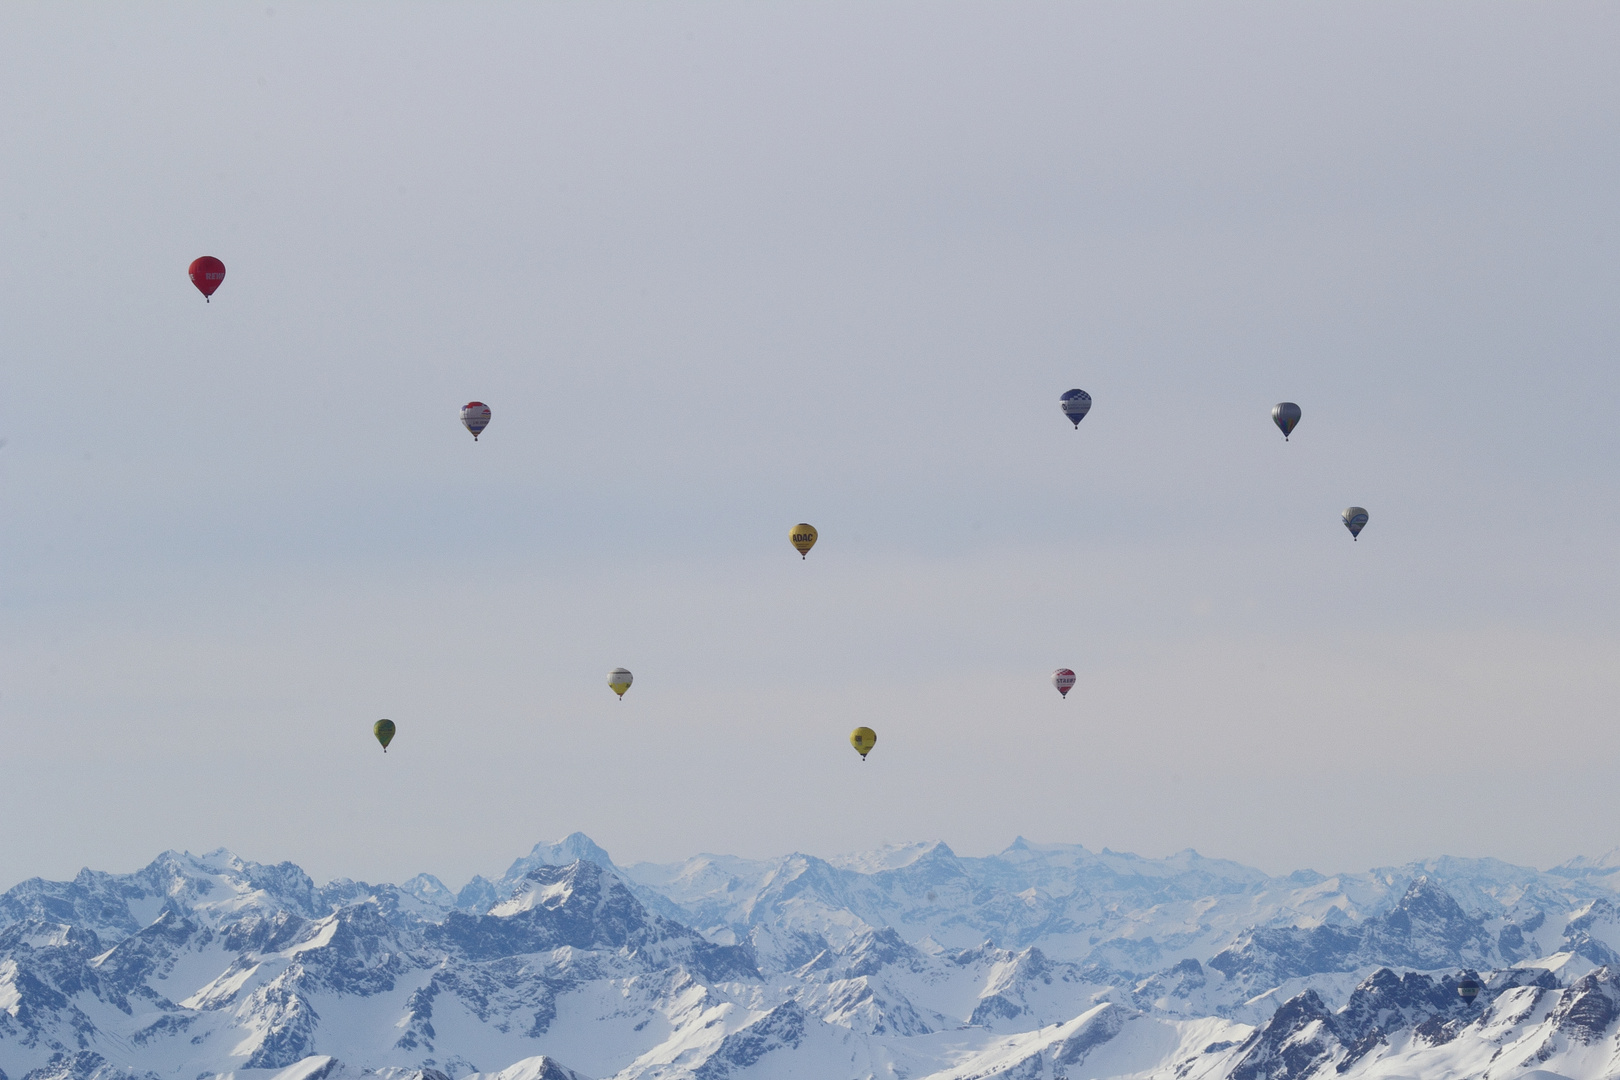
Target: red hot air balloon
{"x": 1063, "y": 679}
{"x": 207, "y": 273}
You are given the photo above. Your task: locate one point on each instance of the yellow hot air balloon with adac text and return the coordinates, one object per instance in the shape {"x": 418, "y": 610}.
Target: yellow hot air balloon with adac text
{"x": 803, "y": 537}
{"x": 863, "y": 739}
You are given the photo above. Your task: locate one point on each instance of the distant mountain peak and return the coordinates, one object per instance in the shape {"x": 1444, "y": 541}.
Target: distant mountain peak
{"x": 1584, "y": 864}
{"x": 535, "y": 1068}
{"x": 552, "y": 886}
{"x": 574, "y": 847}
{"x": 889, "y": 856}
{"x": 581, "y": 846}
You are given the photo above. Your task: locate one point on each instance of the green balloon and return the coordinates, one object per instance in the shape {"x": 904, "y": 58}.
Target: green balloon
{"x": 384, "y": 730}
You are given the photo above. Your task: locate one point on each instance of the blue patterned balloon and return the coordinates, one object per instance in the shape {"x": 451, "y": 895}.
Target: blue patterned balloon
{"x": 1076, "y": 403}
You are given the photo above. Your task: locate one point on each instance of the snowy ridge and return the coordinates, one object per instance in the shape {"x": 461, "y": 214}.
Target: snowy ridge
{"x": 1042, "y": 961}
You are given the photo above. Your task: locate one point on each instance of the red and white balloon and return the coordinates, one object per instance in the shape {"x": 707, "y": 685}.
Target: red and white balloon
{"x": 206, "y": 273}
{"x": 475, "y": 415}
{"x": 1063, "y": 679}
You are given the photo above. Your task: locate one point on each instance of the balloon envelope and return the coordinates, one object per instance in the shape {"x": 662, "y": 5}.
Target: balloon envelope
{"x": 619, "y": 680}
{"x": 1285, "y": 414}
{"x": 1468, "y": 989}
{"x": 384, "y": 730}
{"x": 475, "y": 416}
{"x": 1355, "y": 519}
{"x": 803, "y": 537}
{"x": 863, "y": 739}
{"x": 207, "y": 273}
{"x": 1076, "y": 403}
{"x": 1063, "y": 679}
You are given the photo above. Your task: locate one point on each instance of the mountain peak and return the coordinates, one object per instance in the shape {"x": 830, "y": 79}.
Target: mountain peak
{"x": 552, "y": 886}
{"x": 891, "y": 857}
{"x": 574, "y": 847}
{"x": 1583, "y": 864}
{"x": 581, "y": 846}
{"x": 1424, "y": 895}
{"x": 535, "y": 1068}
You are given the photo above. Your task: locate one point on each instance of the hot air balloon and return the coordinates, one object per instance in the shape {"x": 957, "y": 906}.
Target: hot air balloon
{"x": 384, "y": 730}
{"x": 207, "y": 273}
{"x": 803, "y": 537}
{"x": 475, "y": 416}
{"x": 1468, "y": 989}
{"x": 863, "y": 739}
{"x": 1285, "y": 414}
{"x": 1355, "y": 519}
{"x": 1063, "y": 679}
{"x": 1075, "y": 404}
{"x": 619, "y": 680}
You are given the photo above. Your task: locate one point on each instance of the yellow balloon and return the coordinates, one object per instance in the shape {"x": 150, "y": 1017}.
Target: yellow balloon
{"x": 863, "y": 739}
{"x": 803, "y": 537}
{"x": 619, "y": 680}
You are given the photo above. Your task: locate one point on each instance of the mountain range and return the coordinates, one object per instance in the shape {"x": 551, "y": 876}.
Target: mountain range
{"x": 1041, "y": 962}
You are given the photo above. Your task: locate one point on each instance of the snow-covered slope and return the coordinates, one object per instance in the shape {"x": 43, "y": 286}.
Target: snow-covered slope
{"x": 908, "y": 962}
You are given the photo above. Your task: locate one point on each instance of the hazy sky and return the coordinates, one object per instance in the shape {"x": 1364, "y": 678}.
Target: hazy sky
{"x": 719, "y": 268}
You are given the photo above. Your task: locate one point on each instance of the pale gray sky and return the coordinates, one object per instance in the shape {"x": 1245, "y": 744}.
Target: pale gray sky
{"x": 719, "y": 268}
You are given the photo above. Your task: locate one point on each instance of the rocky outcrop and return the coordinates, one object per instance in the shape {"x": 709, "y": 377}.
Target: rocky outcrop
{"x": 1427, "y": 929}
{"x": 781, "y": 1029}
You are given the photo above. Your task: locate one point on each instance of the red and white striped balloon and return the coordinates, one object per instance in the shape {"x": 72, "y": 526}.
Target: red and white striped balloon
{"x": 475, "y": 414}
{"x": 1063, "y": 679}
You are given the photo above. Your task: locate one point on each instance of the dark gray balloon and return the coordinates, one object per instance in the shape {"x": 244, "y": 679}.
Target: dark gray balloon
{"x": 1285, "y": 414}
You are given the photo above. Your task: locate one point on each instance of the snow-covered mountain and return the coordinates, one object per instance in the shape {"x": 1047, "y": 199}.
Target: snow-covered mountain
{"x": 1042, "y": 961}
